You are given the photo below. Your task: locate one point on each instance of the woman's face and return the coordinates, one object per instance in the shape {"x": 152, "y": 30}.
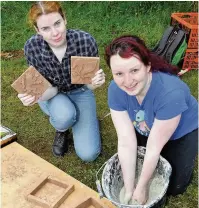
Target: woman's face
{"x": 130, "y": 74}
{"x": 53, "y": 29}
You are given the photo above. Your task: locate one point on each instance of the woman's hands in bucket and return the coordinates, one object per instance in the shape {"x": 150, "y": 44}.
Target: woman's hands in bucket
{"x": 127, "y": 197}
{"x": 141, "y": 194}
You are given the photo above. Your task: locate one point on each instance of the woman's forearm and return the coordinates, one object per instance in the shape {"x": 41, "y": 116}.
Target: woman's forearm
{"x": 127, "y": 156}
{"x": 160, "y": 133}
{"x": 150, "y": 162}
{"x": 127, "y": 147}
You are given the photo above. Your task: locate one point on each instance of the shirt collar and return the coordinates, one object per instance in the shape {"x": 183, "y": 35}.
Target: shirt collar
{"x": 71, "y": 48}
{"x": 46, "y": 52}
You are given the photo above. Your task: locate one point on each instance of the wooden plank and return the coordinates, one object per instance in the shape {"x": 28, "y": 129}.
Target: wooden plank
{"x": 20, "y": 171}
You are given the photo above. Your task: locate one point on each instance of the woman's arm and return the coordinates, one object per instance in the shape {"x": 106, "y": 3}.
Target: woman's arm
{"x": 161, "y": 132}
{"x": 127, "y": 147}
{"x": 99, "y": 79}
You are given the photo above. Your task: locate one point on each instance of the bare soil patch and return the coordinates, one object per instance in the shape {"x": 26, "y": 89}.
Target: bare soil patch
{"x": 5, "y": 55}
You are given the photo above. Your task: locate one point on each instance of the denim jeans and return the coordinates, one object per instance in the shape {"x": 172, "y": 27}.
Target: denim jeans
{"x": 76, "y": 109}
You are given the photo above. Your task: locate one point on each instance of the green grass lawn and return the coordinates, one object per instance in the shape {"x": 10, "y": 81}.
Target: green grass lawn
{"x": 104, "y": 20}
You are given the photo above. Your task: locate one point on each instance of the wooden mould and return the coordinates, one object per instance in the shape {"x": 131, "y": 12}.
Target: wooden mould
{"x": 83, "y": 69}
{"x": 43, "y": 203}
{"x": 90, "y": 203}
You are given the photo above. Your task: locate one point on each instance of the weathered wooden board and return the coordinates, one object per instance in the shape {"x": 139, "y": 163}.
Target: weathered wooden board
{"x": 21, "y": 170}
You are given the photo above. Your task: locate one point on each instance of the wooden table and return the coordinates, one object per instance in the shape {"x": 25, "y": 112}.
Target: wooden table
{"x": 21, "y": 169}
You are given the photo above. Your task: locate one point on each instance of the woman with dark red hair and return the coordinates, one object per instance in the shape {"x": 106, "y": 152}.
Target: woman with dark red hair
{"x": 150, "y": 106}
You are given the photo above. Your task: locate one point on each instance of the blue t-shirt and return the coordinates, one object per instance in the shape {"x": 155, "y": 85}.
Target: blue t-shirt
{"x": 167, "y": 97}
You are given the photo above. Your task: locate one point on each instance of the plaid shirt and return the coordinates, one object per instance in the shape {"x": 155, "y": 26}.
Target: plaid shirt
{"x": 39, "y": 54}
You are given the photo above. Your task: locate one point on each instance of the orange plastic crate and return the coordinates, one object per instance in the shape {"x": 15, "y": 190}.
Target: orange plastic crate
{"x": 189, "y": 23}
{"x": 190, "y": 59}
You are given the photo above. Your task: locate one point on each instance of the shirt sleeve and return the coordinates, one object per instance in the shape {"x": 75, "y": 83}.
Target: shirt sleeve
{"x": 171, "y": 105}
{"x": 30, "y": 58}
{"x": 117, "y": 99}
{"x": 93, "y": 49}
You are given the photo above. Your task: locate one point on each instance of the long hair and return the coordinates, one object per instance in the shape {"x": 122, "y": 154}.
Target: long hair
{"x": 43, "y": 7}
{"x": 128, "y": 45}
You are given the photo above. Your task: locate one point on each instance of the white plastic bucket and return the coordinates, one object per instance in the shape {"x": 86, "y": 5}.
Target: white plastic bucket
{"x": 112, "y": 180}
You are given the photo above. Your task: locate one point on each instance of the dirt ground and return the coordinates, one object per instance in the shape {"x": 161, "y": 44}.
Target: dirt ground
{"x": 5, "y": 55}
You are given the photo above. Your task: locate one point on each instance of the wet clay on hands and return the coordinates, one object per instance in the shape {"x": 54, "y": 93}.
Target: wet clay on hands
{"x": 31, "y": 82}
{"x": 83, "y": 69}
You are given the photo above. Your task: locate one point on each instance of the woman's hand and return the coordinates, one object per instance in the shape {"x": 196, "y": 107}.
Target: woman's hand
{"x": 125, "y": 197}
{"x": 141, "y": 194}
{"x": 26, "y": 99}
{"x": 98, "y": 80}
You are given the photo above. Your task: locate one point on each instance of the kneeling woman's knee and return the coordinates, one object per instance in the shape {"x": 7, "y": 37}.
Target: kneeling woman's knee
{"x": 88, "y": 156}
{"x": 64, "y": 120}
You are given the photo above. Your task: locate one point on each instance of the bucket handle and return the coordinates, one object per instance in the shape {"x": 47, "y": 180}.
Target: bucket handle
{"x": 98, "y": 183}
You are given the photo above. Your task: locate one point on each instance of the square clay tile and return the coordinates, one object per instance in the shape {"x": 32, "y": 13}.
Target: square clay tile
{"x": 83, "y": 69}
{"x": 31, "y": 82}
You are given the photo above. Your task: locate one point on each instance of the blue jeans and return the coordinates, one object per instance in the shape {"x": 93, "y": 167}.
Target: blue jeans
{"x": 76, "y": 109}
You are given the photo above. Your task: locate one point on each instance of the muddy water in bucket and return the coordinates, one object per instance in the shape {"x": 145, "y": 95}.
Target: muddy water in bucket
{"x": 112, "y": 181}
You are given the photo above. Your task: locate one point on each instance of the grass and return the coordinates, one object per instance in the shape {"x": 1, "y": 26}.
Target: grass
{"x": 104, "y": 20}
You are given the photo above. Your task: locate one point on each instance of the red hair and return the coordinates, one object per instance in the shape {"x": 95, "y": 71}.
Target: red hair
{"x": 43, "y": 7}
{"x": 129, "y": 45}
